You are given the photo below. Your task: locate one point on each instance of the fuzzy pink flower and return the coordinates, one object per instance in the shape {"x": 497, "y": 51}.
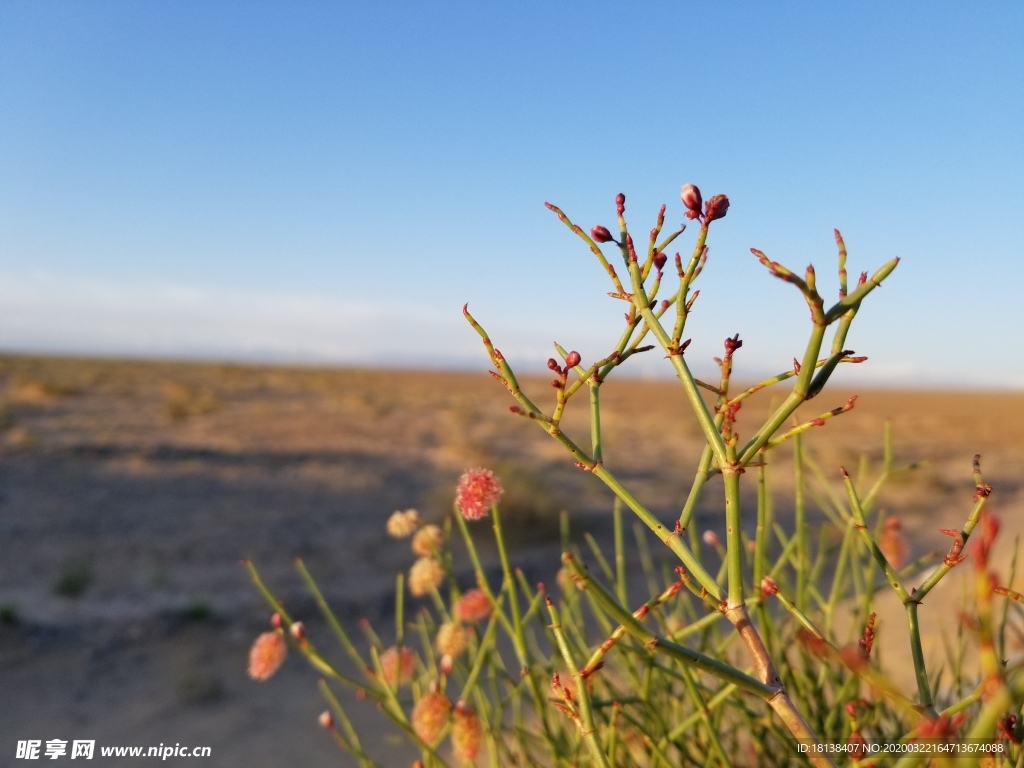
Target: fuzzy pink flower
{"x": 893, "y": 544}
{"x": 473, "y": 606}
{"x": 478, "y": 490}
{"x": 392, "y": 664}
{"x": 267, "y": 654}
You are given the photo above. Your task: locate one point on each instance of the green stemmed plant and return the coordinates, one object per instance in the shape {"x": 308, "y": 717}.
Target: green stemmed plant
{"x": 585, "y": 680}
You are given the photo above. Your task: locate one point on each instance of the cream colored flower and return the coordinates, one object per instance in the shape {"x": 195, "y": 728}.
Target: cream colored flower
{"x": 426, "y": 574}
{"x": 451, "y": 639}
{"x": 402, "y": 524}
{"x": 467, "y": 733}
{"x": 427, "y": 541}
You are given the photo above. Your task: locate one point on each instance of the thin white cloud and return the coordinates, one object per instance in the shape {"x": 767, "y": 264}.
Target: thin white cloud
{"x": 41, "y": 312}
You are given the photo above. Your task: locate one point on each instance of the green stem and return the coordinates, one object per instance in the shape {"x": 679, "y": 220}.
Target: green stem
{"x": 733, "y": 536}
{"x": 801, "y": 523}
{"x": 924, "y": 691}
{"x": 586, "y": 713}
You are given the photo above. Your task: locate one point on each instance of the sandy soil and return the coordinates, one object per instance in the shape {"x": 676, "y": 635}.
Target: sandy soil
{"x": 129, "y": 493}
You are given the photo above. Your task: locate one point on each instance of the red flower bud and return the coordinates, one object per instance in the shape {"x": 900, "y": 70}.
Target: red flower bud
{"x": 601, "y": 234}
{"x": 659, "y": 260}
{"x": 620, "y": 203}
{"x": 691, "y": 198}
{"x": 572, "y": 359}
{"x": 553, "y": 364}
{"x": 716, "y": 207}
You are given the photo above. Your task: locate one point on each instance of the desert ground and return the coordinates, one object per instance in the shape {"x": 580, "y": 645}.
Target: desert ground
{"x": 131, "y": 491}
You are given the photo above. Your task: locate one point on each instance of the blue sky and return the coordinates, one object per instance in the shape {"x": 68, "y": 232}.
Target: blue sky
{"x": 329, "y": 182}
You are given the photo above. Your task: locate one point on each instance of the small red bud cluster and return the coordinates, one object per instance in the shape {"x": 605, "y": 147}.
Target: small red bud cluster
{"x": 857, "y": 746}
{"x": 867, "y": 639}
{"x": 620, "y": 203}
{"x": 715, "y": 208}
{"x": 954, "y": 556}
{"x": 732, "y": 344}
{"x": 1008, "y": 728}
{"x": 571, "y": 361}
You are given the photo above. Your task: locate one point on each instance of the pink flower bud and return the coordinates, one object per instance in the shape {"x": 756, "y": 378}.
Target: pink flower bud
{"x": 716, "y": 208}
{"x": 711, "y": 539}
{"x": 769, "y": 587}
{"x": 572, "y": 359}
{"x": 691, "y": 197}
{"x": 326, "y": 719}
{"x": 659, "y": 260}
{"x": 275, "y": 621}
{"x": 601, "y": 234}
{"x": 298, "y": 630}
